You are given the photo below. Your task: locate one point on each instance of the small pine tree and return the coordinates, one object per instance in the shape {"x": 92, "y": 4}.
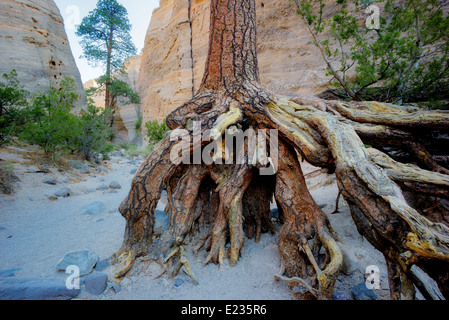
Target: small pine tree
{"x": 94, "y": 133}
{"x": 50, "y": 123}
{"x": 156, "y": 131}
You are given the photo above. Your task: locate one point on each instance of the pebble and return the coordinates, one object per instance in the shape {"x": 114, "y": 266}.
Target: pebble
{"x": 361, "y": 292}
{"x": 95, "y": 208}
{"x": 101, "y": 169}
{"x": 96, "y": 283}
{"x": 103, "y": 187}
{"x": 102, "y": 265}
{"x": 116, "y": 287}
{"x": 49, "y": 180}
{"x": 179, "y": 282}
{"x": 78, "y": 165}
{"x": 52, "y": 198}
{"x": 115, "y": 185}
{"x": 63, "y": 192}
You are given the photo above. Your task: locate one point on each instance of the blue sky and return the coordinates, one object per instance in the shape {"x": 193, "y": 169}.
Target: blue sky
{"x": 139, "y": 12}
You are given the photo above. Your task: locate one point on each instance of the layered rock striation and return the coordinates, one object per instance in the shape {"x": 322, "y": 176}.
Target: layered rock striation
{"x": 176, "y": 48}
{"x": 33, "y": 41}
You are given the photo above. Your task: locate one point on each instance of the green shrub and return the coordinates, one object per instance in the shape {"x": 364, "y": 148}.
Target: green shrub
{"x": 50, "y": 124}
{"x": 93, "y": 133}
{"x": 138, "y": 125}
{"x": 12, "y": 100}
{"x": 405, "y": 60}
{"x": 156, "y": 131}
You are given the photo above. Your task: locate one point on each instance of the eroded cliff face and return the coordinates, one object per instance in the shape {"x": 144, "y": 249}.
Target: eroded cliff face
{"x": 129, "y": 113}
{"x": 33, "y": 41}
{"x": 124, "y": 125}
{"x": 173, "y": 62}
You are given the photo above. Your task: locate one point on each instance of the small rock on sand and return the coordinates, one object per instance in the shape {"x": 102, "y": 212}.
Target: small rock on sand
{"x": 85, "y": 260}
{"x": 94, "y": 208}
{"x": 115, "y": 185}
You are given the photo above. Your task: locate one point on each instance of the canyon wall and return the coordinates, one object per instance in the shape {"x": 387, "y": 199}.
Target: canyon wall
{"x": 172, "y": 68}
{"x": 33, "y": 41}
{"x": 124, "y": 125}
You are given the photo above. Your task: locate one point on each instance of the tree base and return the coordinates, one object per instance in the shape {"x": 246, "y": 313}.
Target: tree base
{"x": 228, "y": 202}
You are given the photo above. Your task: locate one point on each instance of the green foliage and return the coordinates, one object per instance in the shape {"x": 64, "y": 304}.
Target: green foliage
{"x": 105, "y": 34}
{"x": 132, "y": 149}
{"x": 138, "y": 124}
{"x": 12, "y": 100}
{"x": 156, "y": 131}
{"x": 406, "y": 59}
{"x": 9, "y": 166}
{"x": 47, "y": 120}
{"x": 93, "y": 133}
{"x": 50, "y": 124}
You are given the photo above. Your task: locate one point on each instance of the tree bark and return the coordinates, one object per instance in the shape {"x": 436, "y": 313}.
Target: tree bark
{"x": 232, "y": 57}
{"x": 221, "y": 201}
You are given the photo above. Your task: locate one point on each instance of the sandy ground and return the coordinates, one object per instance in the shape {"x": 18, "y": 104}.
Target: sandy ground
{"x": 36, "y": 233}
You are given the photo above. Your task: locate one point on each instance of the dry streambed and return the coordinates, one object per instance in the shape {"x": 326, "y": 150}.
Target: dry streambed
{"x": 59, "y": 216}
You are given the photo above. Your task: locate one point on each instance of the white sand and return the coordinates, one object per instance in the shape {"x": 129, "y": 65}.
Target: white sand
{"x": 38, "y": 233}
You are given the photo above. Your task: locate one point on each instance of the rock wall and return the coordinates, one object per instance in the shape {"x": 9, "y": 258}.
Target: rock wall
{"x": 33, "y": 41}
{"x": 127, "y": 115}
{"x": 130, "y": 113}
{"x": 288, "y": 60}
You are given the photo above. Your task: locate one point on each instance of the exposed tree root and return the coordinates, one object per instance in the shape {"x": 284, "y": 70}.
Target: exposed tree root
{"x": 216, "y": 201}
{"x": 368, "y": 179}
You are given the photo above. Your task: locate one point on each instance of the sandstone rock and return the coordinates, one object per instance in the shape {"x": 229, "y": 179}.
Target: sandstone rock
{"x": 103, "y": 187}
{"x": 94, "y": 208}
{"x": 49, "y": 180}
{"x": 102, "y": 265}
{"x": 115, "y": 185}
{"x": 116, "y": 287}
{"x": 36, "y": 289}
{"x": 124, "y": 126}
{"x": 78, "y": 165}
{"x": 85, "y": 260}
{"x": 96, "y": 283}
{"x": 168, "y": 75}
{"x": 63, "y": 192}
{"x": 33, "y": 41}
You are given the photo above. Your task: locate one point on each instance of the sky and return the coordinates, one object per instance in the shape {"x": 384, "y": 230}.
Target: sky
{"x": 139, "y": 13}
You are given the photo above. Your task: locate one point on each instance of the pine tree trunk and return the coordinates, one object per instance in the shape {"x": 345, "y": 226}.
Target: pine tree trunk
{"x": 232, "y": 57}
{"x": 232, "y": 201}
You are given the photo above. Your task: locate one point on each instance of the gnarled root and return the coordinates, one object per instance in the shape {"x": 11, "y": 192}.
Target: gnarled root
{"x": 232, "y": 184}
{"x": 304, "y": 222}
{"x": 138, "y": 207}
{"x": 228, "y": 201}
